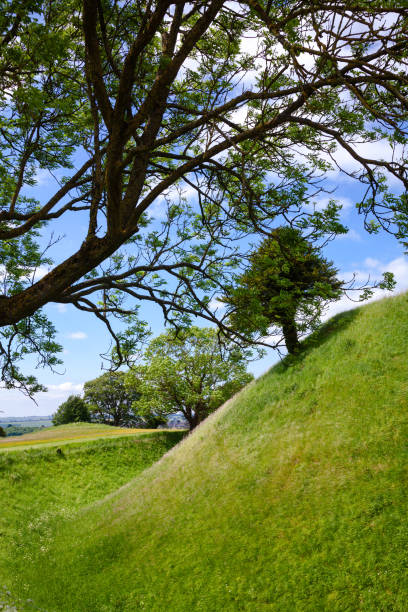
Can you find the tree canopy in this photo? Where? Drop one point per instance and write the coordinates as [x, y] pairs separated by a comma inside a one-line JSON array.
[[286, 285], [172, 130], [73, 410], [189, 372], [109, 401]]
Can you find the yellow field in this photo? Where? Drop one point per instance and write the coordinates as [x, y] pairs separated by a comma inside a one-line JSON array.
[[65, 434]]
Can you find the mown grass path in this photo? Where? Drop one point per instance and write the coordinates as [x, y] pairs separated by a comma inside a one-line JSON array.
[[66, 434]]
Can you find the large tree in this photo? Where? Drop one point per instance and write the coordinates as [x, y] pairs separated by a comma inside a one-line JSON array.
[[135, 107], [109, 400], [189, 372]]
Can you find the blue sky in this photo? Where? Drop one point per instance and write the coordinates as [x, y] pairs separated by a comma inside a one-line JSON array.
[[84, 337]]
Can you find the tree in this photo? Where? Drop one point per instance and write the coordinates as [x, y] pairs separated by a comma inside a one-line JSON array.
[[2, 433], [128, 105], [190, 372], [111, 402], [287, 284], [73, 410]]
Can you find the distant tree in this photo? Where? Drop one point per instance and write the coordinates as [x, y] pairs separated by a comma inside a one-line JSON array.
[[2, 433], [73, 410], [286, 285], [19, 430], [111, 402], [189, 372]]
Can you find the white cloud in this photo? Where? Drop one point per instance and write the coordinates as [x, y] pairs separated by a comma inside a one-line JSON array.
[[351, 235], [215, 305], [239, 115], [34, 274], [369, 262], [374, 268], [43, 177], [157, 209], [399, 267], [341, 305], [380, 150], [78, 335], [67, 386], [14, 403], [62, 308], [40, 272]]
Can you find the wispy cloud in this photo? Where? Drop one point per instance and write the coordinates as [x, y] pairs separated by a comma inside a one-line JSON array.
[[351, 235], [78, 335], [66, 386], [216, 305]]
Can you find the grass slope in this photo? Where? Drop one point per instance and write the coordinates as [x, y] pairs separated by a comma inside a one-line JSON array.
[[37, 485], [65, 434], [291, 497]]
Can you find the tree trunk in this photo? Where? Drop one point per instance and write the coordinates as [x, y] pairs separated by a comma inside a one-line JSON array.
[[195, 419], [291, 337], [193, 422]]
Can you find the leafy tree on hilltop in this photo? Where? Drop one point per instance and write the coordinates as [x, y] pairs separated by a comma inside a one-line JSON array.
[[73, 410], [191, 373], [2, 433], [286, 285]]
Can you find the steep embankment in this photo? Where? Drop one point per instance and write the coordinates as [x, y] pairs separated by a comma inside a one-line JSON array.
[[291, 497]]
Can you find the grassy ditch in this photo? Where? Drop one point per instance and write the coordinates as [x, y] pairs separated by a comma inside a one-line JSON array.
[[41, 485]]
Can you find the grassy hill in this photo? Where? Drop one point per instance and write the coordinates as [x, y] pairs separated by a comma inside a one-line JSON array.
[[293, 496]]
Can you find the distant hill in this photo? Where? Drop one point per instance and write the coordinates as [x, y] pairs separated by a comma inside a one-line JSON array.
[[291, 497], [12, 419]]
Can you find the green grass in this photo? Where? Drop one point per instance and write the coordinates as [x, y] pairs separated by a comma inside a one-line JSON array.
[[39, 485], [292, 497]]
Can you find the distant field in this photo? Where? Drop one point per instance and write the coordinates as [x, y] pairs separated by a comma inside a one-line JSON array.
[[65, 434]]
